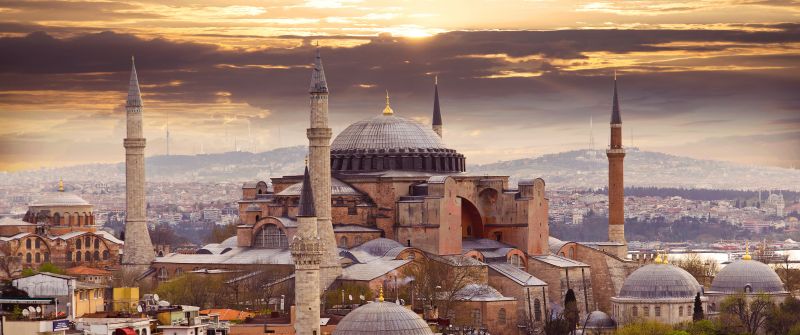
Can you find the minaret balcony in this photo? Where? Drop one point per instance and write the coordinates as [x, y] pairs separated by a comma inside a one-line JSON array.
[[615, 151]]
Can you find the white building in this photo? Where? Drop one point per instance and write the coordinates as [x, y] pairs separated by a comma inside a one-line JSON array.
[[107, 326]]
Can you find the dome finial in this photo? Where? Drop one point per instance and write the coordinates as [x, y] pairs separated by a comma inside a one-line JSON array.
[[61, 184], [387, 110], [747, 256], [658, 259], [380, 295]]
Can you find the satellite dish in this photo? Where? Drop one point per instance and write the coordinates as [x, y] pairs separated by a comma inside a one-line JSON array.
[[163, 303], [139, 308], [155, 296], [32, 309], [38, 309], [350, 296], [25, 313]]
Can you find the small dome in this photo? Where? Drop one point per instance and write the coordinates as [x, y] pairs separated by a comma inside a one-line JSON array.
[[737, 275], [599, 319], [480, 292], [379, 246], [657, 281], [60, 199], [382, 318]]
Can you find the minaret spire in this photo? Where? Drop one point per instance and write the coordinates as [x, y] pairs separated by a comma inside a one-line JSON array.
[[318, 82], [307, 252], [138, 251], [437, 113], [616, 187], [615, 115]]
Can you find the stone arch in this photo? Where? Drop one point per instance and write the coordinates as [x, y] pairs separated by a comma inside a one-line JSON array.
[[471, 221], [270, 233], [474, 254], [487, 204]]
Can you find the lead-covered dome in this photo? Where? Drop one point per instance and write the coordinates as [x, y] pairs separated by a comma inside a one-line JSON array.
[[660, 281], [382, 318], [390, 142], [60, 199], [747, 276]]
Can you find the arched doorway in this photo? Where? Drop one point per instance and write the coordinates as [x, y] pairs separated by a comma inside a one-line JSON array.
[[471, 222]]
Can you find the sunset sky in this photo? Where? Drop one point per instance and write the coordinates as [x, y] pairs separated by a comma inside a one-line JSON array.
[[716, 79]]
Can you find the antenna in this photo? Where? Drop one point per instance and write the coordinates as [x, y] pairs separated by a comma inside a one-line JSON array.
[[591, 133], [167, 133]]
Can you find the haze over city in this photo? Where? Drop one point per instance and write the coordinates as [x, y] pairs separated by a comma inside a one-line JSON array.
[[712, 79]]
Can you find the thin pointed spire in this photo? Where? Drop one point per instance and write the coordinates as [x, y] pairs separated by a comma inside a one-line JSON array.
[[134, 94], [615, 115], [306, 206], [388, 109], [318, 83], [437, 113]]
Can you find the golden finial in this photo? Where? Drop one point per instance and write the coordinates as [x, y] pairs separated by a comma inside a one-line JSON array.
[[306, 160], [658, 259], [60, 184], [665, 259], [747, 256], [380, 295], [387, 110]]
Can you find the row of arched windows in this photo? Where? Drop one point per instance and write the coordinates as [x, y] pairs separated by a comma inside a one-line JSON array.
[[36, 257], [87, 256], [73, 219]]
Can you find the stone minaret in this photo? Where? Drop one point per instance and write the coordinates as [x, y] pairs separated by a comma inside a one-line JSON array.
[[437, 114], [319, 161], [138, 250], [616, 193], [306, 251]]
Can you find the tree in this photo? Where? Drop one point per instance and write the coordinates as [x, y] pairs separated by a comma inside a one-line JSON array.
[[10, 262], [698, 309], [571, 309], [789, 276], [556, 325], [221, 233], [645, 328], [701, 269], [193, 289], [747, 313], [440, 279], [784, 317]]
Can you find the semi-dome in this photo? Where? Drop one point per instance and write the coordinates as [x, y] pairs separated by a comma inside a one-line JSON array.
[[747, 276], [391, 142], [599, 320], [60, 199], [382, 318], [660, 281]]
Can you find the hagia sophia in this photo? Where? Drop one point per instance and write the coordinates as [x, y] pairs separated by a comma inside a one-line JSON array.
[[379, 197]]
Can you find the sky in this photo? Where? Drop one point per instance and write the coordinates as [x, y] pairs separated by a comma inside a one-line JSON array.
[[711, 79]]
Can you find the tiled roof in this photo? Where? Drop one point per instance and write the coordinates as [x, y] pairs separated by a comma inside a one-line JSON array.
[[519, 276], [371, 270]]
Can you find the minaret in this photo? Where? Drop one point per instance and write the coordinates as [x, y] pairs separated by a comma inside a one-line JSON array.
[[138, 250], [319, 154], [616, 193], [437, 113], [306, 251], [167, 134]]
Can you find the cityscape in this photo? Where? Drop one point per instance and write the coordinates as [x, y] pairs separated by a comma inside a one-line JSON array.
[[357, 167]]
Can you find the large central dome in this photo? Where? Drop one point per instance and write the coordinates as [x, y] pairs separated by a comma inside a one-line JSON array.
[[389, 142]]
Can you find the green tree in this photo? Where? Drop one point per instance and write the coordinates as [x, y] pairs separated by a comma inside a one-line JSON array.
[[701, 327], [52, 268], [204, 291], [745, 314], [784, 317], [221, 233], [698, 309], [571, 309], [645, 328], [556, 325]]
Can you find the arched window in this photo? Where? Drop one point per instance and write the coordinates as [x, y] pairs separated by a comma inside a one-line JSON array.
[[88, 256], [78, 244], [96, 255], [97, 243], [358, 240], [343, 242], [69, 256], [272, 237], [28, 257], [258, 217], [680, 311], [56, 219], [38, 243], [748, 288], [46, 256], [635, 311], [28, 244], [88, 242], [515, 260], [38, 257], [70, 219], [537, 310], [476, 317], [78, 256], [105, 254], [501, 316], [646, 311], [658, 311]]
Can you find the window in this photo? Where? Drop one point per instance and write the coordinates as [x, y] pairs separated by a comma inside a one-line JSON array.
[[476, 317], [358, 240], [516, 261], [47, 257], [571, 253], [635, 311], [501, 316], [69, 256], [689, 310], [105, 254], [96, 255], [343, 242], [537, 310], [658, 311], [680, 311], [88, 242], [28, 257], [270, 236], [646, 311], [88, 256], [97, 243], [38, 243], [78, 256], [28, 244], [38, 257], [78, 243]]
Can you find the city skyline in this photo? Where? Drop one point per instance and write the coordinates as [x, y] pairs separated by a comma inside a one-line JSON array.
[[716, 86]]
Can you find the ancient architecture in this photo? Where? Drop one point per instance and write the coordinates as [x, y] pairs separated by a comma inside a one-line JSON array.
[[319, 156], [616, 187], [745, 276], [658, 292], [138, 252], [307, 253], [58, 228], [437, 113]]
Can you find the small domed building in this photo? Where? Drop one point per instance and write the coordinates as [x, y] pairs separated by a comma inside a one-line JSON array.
[[657, 292], [746, 276], [599, 323], [382, 317]]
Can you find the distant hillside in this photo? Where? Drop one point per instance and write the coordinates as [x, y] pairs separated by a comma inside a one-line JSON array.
[[579, 168], [587, 168]]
